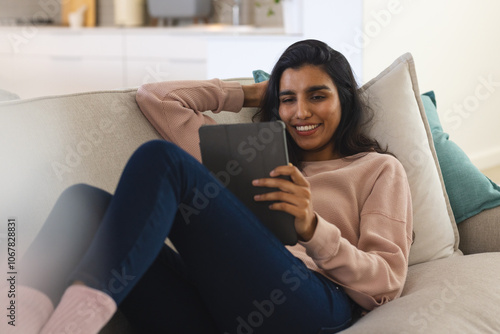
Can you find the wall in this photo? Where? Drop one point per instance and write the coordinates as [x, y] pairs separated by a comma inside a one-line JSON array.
[[336, 22], [456, 51]]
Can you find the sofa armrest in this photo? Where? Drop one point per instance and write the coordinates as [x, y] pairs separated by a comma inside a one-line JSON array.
[[481, 233]]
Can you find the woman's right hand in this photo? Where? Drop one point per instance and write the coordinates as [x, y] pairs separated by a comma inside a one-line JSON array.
[[254, 94]]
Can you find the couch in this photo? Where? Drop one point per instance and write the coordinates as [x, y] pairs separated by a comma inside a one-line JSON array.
[[453, 285]]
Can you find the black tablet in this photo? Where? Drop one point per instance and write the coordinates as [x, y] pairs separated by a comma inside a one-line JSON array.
[[238, 153]]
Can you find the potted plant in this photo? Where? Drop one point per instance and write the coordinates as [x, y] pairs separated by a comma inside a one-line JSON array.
[[270, 10]]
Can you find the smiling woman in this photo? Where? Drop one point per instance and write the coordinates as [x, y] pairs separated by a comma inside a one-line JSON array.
[[351, 209], [341, 189]]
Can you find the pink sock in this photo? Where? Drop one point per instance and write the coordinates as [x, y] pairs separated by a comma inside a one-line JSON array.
[[81, 310], [30, 310]]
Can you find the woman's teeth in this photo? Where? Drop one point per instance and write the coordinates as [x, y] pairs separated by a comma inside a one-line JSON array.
[[307, 127]]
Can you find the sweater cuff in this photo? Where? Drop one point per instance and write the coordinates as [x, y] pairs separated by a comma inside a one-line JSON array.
[[325, 241], [235, 96]]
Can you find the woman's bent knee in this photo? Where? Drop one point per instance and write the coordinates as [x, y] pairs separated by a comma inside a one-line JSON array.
[[82, 191], [157, 147], [83, 198], [159, 154]]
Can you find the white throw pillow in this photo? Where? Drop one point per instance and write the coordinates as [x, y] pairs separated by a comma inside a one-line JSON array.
[[399, 122]]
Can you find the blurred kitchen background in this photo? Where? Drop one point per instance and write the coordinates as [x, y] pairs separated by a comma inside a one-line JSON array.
[[260, 13]]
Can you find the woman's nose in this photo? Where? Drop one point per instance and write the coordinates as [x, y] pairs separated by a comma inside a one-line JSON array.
[[302, 110]]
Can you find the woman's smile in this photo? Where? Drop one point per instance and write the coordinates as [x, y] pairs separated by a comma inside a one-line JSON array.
[[306, 130]]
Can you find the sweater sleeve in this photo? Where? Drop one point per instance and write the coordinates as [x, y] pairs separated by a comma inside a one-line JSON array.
[[175, 108], [373, 271]]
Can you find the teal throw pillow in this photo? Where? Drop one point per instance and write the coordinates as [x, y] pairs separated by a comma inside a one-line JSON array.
[[260, 75], [469, 190]]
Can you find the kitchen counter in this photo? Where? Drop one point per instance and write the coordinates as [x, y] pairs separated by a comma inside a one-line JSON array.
[[197, 29]]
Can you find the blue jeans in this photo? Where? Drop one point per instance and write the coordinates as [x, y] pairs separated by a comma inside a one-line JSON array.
[[229, 274]]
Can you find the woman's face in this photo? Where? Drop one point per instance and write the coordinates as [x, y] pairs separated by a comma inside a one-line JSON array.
[[310, 108]]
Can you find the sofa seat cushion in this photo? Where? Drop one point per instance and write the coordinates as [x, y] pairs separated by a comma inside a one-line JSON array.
[[458, 294]]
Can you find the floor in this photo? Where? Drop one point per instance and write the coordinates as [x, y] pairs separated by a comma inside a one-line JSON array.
[[493, 174]]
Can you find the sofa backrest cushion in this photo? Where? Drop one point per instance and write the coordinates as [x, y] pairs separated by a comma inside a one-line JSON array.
[[8, 96], [50, 143], [400, 123]]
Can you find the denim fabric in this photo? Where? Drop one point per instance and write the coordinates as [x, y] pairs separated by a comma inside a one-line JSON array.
[[63, 240], [230, 274]]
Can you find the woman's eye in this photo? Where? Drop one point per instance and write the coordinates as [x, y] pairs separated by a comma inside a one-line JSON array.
[[287, 100], [317, 97]]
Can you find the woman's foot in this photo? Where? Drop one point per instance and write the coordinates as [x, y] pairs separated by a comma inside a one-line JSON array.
[[82, 309], [27, 310]]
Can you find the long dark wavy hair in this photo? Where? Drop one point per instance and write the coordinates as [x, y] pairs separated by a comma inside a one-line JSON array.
[[348, 138]]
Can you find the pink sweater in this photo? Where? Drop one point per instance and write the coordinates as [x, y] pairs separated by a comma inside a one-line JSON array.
[[362, 202]]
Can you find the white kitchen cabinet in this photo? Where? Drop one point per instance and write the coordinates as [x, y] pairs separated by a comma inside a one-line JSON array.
[[25, 76], [152, 56], [56, 61], [143, 71], [53, 75], [164, 43]]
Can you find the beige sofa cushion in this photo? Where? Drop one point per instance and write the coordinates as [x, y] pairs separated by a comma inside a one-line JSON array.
[[50, 143], [7, 96], [458, 294], [400, 123], [481, 233]]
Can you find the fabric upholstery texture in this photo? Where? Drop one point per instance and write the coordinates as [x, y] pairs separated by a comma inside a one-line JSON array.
[[481, 233], [7, 96], [395, 100], [438, 299]]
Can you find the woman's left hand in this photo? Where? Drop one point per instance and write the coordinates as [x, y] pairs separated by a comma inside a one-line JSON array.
[[293, 197]]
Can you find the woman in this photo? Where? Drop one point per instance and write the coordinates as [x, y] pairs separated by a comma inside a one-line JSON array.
[[351, 205]]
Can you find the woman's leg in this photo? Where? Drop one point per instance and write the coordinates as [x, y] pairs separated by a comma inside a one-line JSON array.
[[58, 247], [61, 244], [63, 239], [165, 300], [244, 275], [249, 281]]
